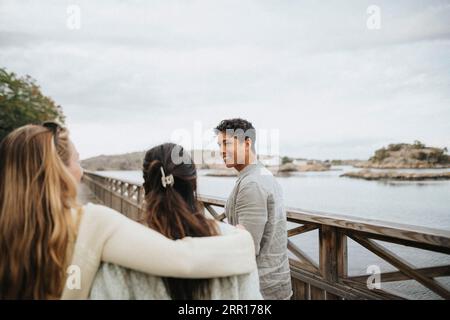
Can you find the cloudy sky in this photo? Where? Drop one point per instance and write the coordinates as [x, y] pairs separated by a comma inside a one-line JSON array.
[[136, 73]]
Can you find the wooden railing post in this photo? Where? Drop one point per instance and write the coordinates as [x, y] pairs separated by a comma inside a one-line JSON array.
[[342, 255], [122, 192], [139, 201], [111, 190], [328, 253], [332, 255]]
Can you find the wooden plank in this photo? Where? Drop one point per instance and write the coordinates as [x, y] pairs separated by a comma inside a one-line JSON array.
[[115, 202], [337, 260], [404, 242], [328, 253], [342, 254], [219, 202], [308, 262], [330, 296], [403, 266], [317, 293], [435, 237], [300, 290], [316, 280], [377, 293], [301, 229], [303, 266], [347, 290], [214, 213], [211, 210]]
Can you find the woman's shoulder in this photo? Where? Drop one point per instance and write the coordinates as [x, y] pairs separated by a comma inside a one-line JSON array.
[[98, 208], [101, 213], [97, 222], [225, 228]]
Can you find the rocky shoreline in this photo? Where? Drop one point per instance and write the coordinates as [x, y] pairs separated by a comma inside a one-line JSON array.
[[394, 175], [370, 165], [278, 171]]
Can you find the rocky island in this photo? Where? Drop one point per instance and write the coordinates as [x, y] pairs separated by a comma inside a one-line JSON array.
[[404, 156], [395, 175], [407, 156]]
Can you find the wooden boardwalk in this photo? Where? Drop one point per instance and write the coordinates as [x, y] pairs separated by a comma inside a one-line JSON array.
[[327, 278]]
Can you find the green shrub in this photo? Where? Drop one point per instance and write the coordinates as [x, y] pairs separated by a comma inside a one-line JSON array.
[[21, 102], [285, 160]]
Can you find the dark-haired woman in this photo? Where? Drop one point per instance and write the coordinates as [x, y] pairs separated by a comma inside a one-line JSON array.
[[172, 209]]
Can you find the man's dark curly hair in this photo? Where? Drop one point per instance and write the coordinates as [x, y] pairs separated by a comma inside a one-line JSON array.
[[241, 128]]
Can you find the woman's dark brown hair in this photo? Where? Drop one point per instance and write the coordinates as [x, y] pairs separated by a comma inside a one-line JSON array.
[[174, 210]]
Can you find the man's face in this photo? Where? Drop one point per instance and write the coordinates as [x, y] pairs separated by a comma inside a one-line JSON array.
[[232, 150]]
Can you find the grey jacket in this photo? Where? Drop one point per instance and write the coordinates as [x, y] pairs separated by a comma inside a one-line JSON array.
[[256, 202]]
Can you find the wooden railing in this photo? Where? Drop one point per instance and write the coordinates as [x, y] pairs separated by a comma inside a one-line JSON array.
[[328, 279]]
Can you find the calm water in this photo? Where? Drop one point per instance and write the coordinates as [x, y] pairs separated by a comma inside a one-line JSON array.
[[424, 203]]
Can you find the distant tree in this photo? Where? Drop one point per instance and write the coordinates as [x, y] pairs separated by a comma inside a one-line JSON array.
[[380, 155], [395, 146], [285, 160], [336, 162], [22, 102], [418, 145]]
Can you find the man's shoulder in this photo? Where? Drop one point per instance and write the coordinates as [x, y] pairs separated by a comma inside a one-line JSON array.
[[260, 177]]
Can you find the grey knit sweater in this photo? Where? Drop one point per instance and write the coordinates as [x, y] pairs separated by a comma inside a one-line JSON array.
[[256, 202]]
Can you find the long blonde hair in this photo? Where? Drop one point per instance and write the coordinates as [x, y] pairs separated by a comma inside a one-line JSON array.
[[37, 230]]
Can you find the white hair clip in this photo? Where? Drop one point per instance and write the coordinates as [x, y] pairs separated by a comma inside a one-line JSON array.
[[169, 180]]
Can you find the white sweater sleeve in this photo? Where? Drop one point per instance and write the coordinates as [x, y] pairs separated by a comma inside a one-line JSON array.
[[132, 245]]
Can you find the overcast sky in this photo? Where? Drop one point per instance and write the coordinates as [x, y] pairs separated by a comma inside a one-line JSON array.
[[137, 72]]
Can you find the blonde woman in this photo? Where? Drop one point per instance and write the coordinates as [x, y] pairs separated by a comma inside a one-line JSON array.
[[43, 231]]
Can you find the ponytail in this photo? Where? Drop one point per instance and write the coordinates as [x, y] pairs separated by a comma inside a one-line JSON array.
[[172, 208]]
